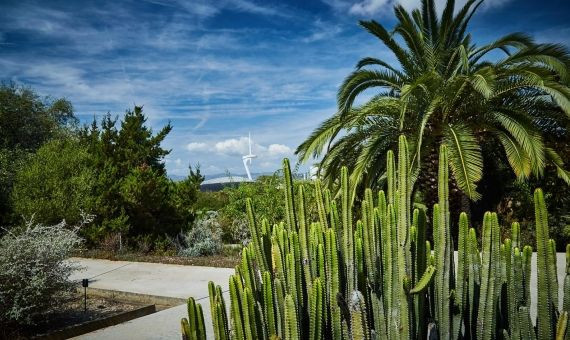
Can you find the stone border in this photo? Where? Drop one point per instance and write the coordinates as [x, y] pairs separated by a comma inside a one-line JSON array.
[[161, 302], [94, 325]]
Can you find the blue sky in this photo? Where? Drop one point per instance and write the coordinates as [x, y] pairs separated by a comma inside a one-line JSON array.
[[219, 69]]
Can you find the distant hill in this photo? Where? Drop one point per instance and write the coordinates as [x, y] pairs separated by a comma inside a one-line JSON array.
[[209, 177]]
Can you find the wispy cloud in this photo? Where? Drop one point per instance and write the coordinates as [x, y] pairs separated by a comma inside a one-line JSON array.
[[322, 30], [384, 7], [215, 69], [197, 146]]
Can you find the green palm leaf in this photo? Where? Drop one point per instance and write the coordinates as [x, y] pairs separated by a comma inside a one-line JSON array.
[[516, 155], [559, 164], [465, 158], [361, 80], [523, 132], [444, 88]]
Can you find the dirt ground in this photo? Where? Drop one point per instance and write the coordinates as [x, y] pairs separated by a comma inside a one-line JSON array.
[[222, 260], [71, 313]]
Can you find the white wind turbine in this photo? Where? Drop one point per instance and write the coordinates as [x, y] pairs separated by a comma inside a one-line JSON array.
[[247, 158]]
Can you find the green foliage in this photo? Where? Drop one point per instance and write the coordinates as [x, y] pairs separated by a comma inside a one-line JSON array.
[[377, 276], [445, 89], [184, 194], [11, 161], [27, 121], [210, 201], [133, 194], [266, 194], [145, 195], [55, 184]]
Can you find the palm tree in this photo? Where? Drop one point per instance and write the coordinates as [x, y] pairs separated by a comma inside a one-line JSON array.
[[446, 89]]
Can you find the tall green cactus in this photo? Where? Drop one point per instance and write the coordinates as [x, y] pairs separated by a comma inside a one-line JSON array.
[[348, 236], [193, 328], [289, 199], [443, 250], [545, 287], [316, 310], [490, 277], [376, 277]]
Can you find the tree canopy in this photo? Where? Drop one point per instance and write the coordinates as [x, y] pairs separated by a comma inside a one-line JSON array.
[[447, 89]]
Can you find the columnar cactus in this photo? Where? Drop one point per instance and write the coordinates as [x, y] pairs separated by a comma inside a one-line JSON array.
[[376, 276]]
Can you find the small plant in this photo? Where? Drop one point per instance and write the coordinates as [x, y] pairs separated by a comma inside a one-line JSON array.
[[334, 278], [111, 242], [204, 238], [240, 231], [35, 270]]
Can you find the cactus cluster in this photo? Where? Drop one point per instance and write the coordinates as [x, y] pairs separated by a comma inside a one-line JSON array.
[[378, 277]]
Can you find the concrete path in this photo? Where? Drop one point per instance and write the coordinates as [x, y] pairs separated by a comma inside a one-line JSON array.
[[154, 279], [185, 281]]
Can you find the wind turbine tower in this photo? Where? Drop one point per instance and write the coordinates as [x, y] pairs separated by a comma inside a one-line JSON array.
[[247, 158]]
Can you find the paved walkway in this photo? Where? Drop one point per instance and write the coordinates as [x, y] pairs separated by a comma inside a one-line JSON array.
[[182, 282], [154, 279]]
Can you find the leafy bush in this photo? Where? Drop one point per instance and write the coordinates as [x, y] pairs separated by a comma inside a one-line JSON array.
[[27, 121], [204, 238], [184, 195], [34, 271], [240, 231], [210, 201], [266, 193], [145, 194], [55, 184]]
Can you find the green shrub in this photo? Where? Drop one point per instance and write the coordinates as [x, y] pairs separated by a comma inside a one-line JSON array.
[[333, 278], [240, 231], [266, 194], [55, 184], [204, 237], [210, 201], [35, 270]]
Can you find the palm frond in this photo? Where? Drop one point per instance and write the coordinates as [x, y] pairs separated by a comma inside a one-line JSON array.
[[430, 19], [522, 131], [555, 158], [465, 158], [517, 40], [369, 61], [314, 144], [483, 82], [516, 155], [361, 80], [381, 33]]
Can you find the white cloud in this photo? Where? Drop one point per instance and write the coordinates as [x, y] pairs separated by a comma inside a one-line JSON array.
[[322, 30], [234, 146], [196, 146], [278, 150], [367, 7], [240, 146], [375, 7], [251, 7]]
